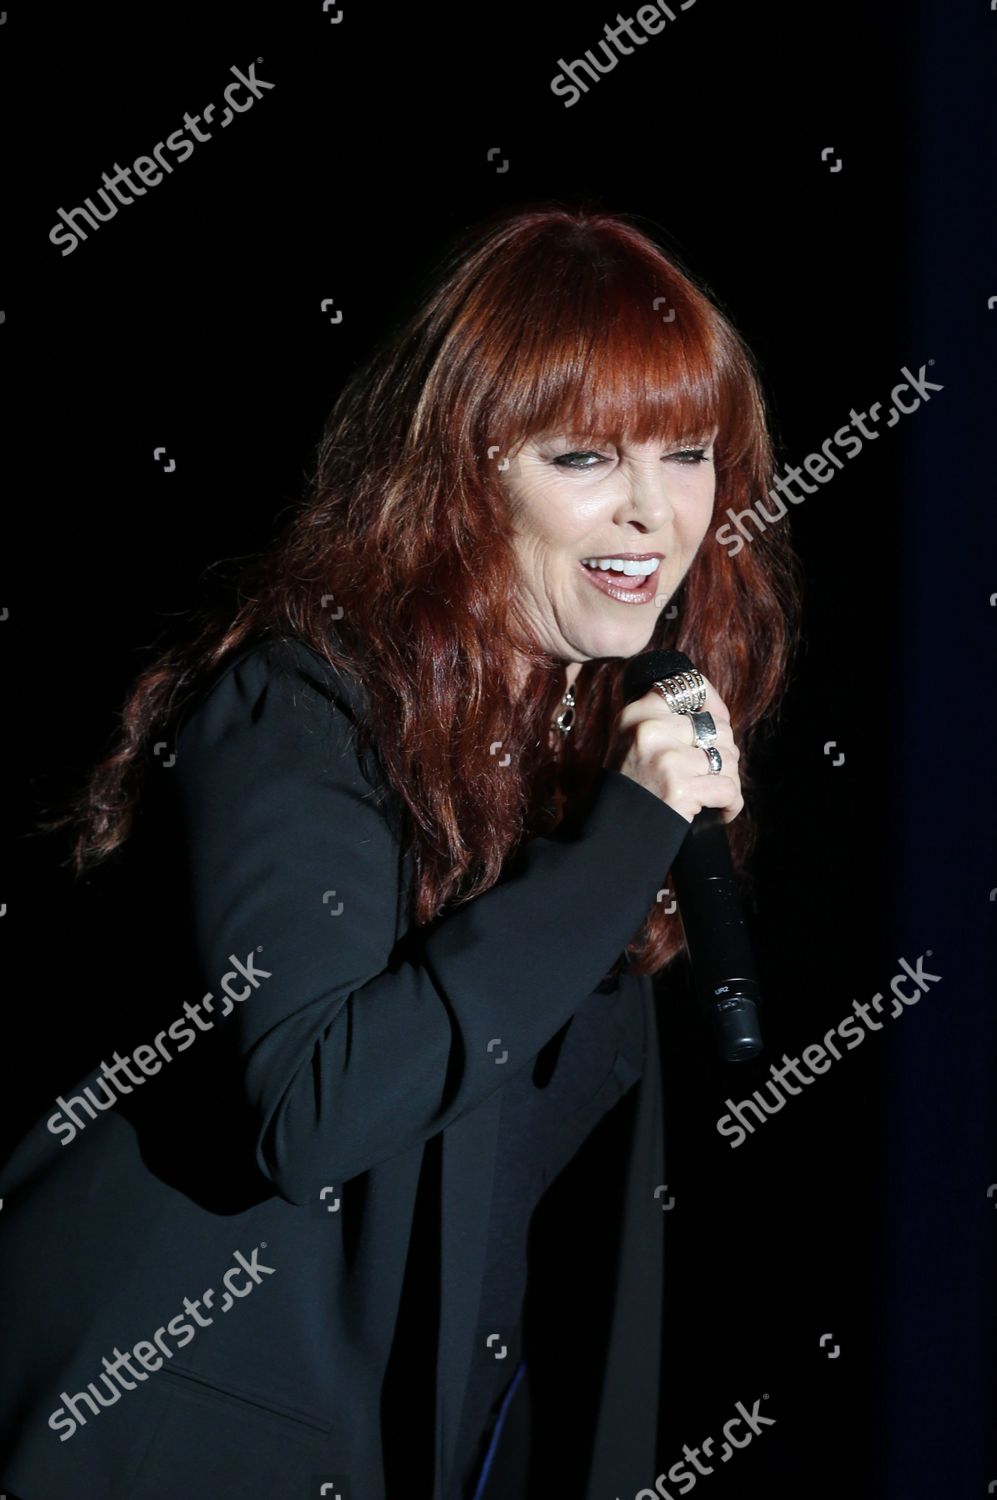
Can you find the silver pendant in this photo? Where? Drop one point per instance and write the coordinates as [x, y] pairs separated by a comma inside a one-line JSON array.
[[566, 717]]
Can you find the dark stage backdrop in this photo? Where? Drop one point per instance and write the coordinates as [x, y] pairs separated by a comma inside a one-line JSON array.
[[829, 173]]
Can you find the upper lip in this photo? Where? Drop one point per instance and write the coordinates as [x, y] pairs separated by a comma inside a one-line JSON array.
[[627, 556]]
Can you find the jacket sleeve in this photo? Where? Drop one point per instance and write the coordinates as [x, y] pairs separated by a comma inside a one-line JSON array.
[[353, 1048]]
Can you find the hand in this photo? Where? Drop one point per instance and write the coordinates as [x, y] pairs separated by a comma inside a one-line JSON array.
[[654, 747]]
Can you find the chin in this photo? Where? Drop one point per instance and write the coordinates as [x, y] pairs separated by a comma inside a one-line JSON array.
[[619, 642]]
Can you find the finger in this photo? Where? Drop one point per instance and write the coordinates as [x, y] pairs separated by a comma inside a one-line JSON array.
[[695, 793], [730, 813], [719, 791], [722, 735], [692, 763], [712, 702], [676, 731], [652, 704]]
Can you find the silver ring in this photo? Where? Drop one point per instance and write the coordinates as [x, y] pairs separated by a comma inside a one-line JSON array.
[[685, 692], [704, 729], [713, 755]]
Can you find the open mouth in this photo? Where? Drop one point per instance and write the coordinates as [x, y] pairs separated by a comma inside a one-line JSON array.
[[627, 588]]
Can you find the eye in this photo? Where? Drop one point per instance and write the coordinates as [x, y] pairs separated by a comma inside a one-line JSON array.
[[564, 460], [575, 460]]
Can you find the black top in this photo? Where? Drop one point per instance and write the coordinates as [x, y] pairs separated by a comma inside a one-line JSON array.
[[547, 1111], [339, 1104]]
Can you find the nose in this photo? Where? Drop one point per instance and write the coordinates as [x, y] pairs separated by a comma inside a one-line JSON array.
[[645, 503]]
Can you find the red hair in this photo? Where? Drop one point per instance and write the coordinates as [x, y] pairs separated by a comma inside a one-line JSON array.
[[549, 317]]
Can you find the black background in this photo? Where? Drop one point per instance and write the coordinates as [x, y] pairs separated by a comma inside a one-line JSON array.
[[192, 321]]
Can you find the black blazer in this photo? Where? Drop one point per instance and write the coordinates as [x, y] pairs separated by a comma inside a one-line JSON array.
[[223, 1244]]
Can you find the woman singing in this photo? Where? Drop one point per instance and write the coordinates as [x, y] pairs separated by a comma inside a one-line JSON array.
[[359, 1199]]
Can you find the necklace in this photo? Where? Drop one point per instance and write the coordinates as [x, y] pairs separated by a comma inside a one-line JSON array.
[[566, 716], [563, 720]]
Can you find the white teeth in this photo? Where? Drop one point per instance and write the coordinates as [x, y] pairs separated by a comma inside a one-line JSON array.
[[633, 569]]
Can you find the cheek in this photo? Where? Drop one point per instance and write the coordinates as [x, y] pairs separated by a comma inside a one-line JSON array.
[[701, 513], [546, 514], [556, 520], [564, 525], [577, 518]]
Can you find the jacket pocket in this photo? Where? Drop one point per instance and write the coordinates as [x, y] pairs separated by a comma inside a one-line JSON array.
[[211, 1440], [192, 1383]]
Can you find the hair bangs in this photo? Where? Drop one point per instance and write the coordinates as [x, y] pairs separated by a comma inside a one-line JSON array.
[[629, 373]]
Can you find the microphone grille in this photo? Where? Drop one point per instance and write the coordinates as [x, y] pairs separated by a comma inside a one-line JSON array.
[[650, 667]]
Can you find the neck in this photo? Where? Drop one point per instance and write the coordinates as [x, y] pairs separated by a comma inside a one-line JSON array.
[[571, 671]]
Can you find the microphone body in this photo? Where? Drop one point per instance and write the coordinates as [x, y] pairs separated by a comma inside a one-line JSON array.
[[709, 902]]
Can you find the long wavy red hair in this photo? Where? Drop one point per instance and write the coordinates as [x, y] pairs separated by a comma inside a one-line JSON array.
[[543, 317]]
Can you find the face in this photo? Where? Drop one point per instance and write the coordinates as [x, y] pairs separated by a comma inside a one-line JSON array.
[[642, 506]]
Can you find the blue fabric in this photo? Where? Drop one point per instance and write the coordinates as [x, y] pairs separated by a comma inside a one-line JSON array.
[[486, 1466]]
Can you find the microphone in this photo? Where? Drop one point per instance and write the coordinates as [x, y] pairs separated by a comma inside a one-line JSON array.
[[709, 902]]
